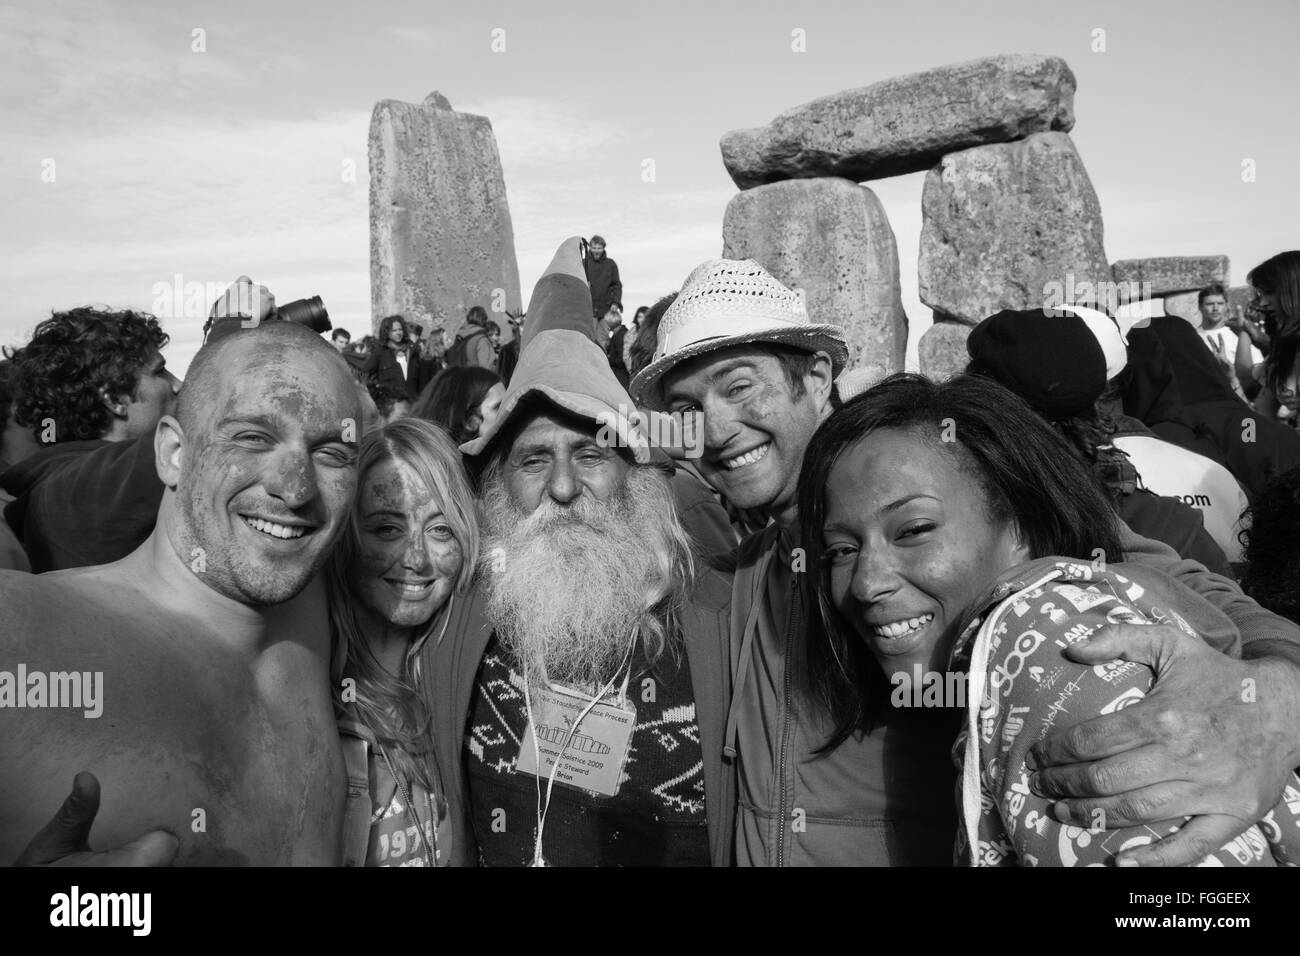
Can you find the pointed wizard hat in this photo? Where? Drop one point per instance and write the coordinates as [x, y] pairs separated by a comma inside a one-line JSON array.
[[560, 364]]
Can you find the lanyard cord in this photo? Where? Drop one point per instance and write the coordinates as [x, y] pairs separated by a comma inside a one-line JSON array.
[[543, 810], [430, 852]]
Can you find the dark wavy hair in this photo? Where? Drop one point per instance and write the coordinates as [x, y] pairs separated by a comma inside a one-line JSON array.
[[1271, 546], [1280, 276], [387, 323], [1091, 435], [1028, 476], [452, 395], [642, 352], [73, 359]]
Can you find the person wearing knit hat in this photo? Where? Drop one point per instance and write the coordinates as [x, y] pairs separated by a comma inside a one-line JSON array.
[[588, 595], [1061, 364]]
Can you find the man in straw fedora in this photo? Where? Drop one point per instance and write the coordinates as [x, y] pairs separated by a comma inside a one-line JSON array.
[[591, 633], [739, 347]]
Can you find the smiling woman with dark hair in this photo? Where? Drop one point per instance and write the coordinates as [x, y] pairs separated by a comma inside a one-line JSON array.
[[956, 546]]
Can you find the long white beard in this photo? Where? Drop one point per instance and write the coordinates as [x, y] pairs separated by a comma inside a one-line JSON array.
[[570, 587]]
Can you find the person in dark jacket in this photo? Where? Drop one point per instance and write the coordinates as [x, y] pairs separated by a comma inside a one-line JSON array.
[[88, 380], [602, 278], [508, 357], [613, 323], [1212, 420], [395, 364]]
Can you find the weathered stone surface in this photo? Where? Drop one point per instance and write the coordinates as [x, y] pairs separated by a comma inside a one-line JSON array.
[[1239, 297], [831, 239], [1009, 227], [1172, 274], [1184, 305], [441, 239], [941, 352], [907, 123]]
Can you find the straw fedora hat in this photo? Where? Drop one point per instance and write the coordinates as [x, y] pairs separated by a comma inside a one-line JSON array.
[[728, 302]]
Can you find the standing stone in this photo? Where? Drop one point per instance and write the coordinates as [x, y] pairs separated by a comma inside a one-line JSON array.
[[441, 240], [1172, 274], [1012, 226], [831, 239], [941, 352], [1239, 297], [907, 123], [1184, 305]]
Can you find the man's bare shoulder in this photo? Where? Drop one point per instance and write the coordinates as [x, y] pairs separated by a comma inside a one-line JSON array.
[[44, 608]]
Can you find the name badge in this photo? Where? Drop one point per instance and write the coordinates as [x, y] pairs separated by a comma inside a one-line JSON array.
[[594, 757]]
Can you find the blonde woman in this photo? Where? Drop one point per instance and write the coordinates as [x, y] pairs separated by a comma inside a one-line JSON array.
[[407, 553]]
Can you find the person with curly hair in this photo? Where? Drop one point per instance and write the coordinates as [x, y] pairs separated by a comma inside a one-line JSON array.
[[91, 386], [93, 374], [1271, 546], [395, 363]]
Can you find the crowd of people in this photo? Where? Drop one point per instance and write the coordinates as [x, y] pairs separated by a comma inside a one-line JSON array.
[[399, 602]]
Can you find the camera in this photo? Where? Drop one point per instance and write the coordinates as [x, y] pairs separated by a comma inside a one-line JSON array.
[[310, 312]]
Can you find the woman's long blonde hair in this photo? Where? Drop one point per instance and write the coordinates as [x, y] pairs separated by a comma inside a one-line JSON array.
[[391, 705]]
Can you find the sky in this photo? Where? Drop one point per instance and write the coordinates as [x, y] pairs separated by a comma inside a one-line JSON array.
[[137, 168]]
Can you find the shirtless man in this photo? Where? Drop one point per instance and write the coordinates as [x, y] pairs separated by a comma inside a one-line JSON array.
[[211, 637]]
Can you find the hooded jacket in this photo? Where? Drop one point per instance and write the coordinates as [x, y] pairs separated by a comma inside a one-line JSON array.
[[1021, 686]]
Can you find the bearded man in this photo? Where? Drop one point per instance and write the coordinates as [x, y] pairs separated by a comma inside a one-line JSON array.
[[579, 695]]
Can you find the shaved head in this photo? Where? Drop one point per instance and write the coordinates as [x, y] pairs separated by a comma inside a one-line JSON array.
[[263, 465], [216, 361]]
